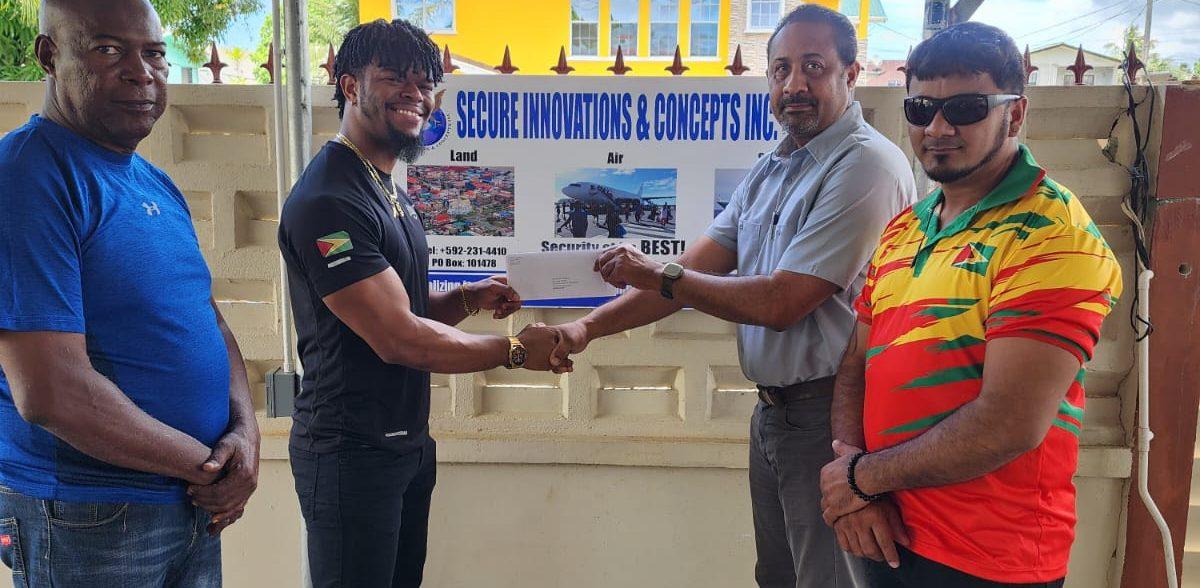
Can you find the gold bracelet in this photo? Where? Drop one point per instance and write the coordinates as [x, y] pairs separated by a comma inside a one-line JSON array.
[[467, 307]]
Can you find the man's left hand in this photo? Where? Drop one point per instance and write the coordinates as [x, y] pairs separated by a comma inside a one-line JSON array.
[[236, 456], [873, 533], [494, 294], [626, 266], [837, 499]]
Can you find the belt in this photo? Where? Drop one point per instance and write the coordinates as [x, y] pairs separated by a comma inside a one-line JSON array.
[[779, 395]]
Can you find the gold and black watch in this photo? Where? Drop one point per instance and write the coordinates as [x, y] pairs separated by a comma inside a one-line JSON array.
[[671, 272], [516, 354]]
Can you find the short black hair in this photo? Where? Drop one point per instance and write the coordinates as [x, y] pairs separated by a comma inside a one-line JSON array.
[[844, 33], [966, 49], [397, 45]]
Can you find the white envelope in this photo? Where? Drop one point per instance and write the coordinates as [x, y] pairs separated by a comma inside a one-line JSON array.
[[554, 275]]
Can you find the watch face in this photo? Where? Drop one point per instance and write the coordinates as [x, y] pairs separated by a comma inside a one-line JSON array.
[[673, 271], [518, 355]]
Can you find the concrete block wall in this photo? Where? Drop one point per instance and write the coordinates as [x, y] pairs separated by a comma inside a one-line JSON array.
[[631, 470]]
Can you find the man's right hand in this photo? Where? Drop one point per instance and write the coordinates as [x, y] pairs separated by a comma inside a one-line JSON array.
[[873, 532], [539, 340], [572, 338]]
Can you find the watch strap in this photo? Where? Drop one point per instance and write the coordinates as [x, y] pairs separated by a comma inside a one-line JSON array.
[[667, 288]]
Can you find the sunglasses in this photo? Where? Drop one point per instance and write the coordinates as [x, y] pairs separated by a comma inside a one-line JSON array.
[[963, 109]]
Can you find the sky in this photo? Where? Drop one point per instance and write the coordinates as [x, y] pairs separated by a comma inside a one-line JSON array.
[[244, 31], [656, 181], [1092, 23]]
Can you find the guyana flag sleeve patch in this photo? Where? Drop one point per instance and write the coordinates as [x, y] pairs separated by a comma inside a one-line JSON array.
[[334, 243]]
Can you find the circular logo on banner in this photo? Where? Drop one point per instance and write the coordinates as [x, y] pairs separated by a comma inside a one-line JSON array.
[[435, 129]]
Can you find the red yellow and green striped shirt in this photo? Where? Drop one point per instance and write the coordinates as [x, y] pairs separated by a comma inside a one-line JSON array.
[[1026, 261]]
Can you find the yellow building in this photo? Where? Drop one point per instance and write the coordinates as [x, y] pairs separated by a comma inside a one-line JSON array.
[[647, 31]]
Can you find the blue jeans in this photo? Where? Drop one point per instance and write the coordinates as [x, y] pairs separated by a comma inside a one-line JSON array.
[[92, 545]]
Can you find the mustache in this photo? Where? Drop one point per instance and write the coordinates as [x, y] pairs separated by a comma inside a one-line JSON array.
[[951, 144], [799, 99]]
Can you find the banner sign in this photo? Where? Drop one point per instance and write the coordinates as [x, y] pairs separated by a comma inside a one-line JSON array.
[[516, 164]]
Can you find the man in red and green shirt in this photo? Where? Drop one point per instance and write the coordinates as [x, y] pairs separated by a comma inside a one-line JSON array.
[[964, 380]]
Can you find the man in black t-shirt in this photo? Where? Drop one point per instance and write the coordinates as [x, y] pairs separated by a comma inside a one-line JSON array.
[[370, 332]]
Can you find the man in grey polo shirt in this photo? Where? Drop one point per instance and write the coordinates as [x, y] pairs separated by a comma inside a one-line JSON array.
[[799, 231]]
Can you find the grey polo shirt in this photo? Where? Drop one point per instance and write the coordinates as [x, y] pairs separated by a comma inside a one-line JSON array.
[[817, 211]]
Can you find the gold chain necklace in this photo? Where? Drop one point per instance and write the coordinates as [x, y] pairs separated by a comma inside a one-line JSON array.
[[397, 210]]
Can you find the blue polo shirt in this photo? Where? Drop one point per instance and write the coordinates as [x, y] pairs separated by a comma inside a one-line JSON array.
[[101, 243]]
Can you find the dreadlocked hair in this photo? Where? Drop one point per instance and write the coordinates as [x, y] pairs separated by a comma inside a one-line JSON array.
[[397, 45]]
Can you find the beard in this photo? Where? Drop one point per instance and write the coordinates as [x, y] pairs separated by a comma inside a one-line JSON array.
[[406, 147], [801, 125], [949, 176]]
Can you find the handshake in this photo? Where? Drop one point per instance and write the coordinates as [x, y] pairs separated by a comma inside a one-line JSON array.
[[548, 348]]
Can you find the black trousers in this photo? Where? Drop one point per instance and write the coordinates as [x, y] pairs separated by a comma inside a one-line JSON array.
[[367, 513], [918, 572]]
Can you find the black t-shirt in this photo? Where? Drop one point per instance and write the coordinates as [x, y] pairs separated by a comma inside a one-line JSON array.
[[337, 228]]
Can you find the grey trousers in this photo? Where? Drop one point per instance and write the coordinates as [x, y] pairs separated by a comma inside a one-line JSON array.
[[789, 444]]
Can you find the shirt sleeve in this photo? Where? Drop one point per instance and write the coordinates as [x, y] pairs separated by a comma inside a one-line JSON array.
[[335, 242], [1057, 287], [843, 228], [724, 228], [40, 281]]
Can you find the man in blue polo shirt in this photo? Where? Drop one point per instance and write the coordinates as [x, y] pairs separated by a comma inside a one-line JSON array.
[[120, 383]]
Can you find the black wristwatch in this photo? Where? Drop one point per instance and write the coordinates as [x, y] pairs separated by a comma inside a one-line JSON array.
[[516, 353], [671, 272]]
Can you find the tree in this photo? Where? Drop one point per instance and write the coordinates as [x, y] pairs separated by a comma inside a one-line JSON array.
[[242, 61], [422, 14], [193, 23], [1132, 34], [328, 22], [196, 23], [1185, 72], [18, 29]]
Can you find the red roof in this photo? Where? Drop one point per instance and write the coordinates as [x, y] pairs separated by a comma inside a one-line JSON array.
[[883, 73]]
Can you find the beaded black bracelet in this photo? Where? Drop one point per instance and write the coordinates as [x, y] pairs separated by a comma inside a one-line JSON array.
[[854, 485]]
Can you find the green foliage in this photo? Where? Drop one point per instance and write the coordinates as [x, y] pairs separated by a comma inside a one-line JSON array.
[[194, 24], [1187, 72], [1133, 34], [18, 29], [328, 22]]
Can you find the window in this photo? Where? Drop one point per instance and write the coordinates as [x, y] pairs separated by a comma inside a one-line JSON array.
[[435, 16], [1033, 78], [585, 27], [664, 27], [1088, 79], [764, 15], [705, 16], [623, 19]]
